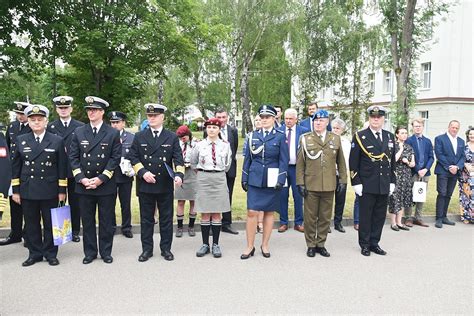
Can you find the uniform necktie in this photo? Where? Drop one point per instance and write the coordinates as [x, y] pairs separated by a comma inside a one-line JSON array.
[[94, 131], [214, 161], [288, 138], [156, 134], [37, 139], [21, 126], [65, 124], [184, 149], [379, 140], [266, 134]]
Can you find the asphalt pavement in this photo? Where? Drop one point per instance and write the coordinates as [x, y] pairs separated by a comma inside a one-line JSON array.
[[426, 271]]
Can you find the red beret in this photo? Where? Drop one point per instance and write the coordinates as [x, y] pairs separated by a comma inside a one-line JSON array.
[[212, 121], [183, 130]]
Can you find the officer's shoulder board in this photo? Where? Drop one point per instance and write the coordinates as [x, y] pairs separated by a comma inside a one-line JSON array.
[[279, 131], [307, 134]]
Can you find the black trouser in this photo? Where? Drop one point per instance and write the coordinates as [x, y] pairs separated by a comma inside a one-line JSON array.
[[227, 216], [373, 210], [73, 200], [124, 191], [106, 206], [148, 204], [445, 187], [339, 203], [40, 244], [16, 220]]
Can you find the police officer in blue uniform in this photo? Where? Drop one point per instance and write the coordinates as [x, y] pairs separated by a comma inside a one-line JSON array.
[[5, 173], [124, 173], [39, 183], [19, 127], [372, 166], [154, 152], [94, 155], [263, 175], [64, 127]]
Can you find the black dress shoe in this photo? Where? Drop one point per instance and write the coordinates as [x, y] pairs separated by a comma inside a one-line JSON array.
[[167, 255], [322, 251], [76, 238], [108, 259], [229, 229], [378, 250], [145, 256], [247, 255], [339, 228], [127, 234], [9, 240], [264, 254], [365, 251], [88, 259], [53, 261], [31, 261], [311, 252]]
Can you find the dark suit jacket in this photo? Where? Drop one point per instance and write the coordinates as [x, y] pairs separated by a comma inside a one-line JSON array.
[[126, 139], [428, 157], [56, 127], [233, 139], [445, 155], [300, 130], [96, 156], [375, 176], [148, 154], [308, 124], [13, 131], [39, 170]]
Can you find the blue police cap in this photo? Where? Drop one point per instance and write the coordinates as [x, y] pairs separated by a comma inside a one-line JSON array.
[[115, 116], [320, 114], [267, 109]]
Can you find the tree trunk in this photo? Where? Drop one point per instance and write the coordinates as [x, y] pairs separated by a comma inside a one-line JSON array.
[[244, 99], [198, 89], [233, 77], [161, 91]]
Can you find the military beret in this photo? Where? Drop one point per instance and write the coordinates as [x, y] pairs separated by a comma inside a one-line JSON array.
[[115, 116], [267, 109], [183, 130], [320, 114], [20, 107], [63, 101], [36, 109], [213, 121], [155, 108], [96, 103], [376, 110]]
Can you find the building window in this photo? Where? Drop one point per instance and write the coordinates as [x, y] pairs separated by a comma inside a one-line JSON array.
[[371, 78], [424, 116], [426, 75], [387, 122], [387, 81]]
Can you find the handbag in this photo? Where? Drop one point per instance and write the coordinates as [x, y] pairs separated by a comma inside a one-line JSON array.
[[61, 223], [419, 191]]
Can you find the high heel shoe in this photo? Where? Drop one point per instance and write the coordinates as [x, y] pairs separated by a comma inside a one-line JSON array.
[[265, 254], [246, 256]]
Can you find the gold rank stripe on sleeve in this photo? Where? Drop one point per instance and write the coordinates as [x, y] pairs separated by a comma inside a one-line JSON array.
[[371, 156], [75, 172], [108, 173], [353, 174], [62, 182], [3, 201], [138, 167], [15, 182], [180, 169]]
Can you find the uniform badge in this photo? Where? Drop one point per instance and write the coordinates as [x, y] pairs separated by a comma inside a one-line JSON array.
[[27, 163], [363, 137], [145, 156], [23, 142], [353, 145], [103, 156], [52, 126], [84, 155], [127, 150]]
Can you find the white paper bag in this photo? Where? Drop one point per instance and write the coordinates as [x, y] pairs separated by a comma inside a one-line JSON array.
[[419, 191]]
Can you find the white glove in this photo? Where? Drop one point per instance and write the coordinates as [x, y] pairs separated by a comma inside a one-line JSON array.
[[126, 167], [358, 189], [392, 188]]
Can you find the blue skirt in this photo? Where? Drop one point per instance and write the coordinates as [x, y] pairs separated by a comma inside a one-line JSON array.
[[263, 199]]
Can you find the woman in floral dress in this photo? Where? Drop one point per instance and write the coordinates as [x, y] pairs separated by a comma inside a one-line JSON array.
[[466, 181]]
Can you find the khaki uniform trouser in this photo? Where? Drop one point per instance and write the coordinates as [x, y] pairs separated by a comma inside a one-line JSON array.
[[419, 205], [317, 217]]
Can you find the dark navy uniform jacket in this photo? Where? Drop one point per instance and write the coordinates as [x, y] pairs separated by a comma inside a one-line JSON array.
[[97, 156], [366, 168], [56, 127], [150, 154], [39, 169], [273, 154], [5, 171], [13, 131], [126, 139]]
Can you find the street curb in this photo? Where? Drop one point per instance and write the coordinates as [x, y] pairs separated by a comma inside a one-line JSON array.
[[240, 225]]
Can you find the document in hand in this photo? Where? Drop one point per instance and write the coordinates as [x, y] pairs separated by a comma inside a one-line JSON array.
[[272, 177]]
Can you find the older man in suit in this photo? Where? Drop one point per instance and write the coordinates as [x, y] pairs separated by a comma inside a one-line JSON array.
[[293, 133], [449, 151]]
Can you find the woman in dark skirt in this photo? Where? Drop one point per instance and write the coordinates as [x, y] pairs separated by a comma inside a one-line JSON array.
[[211, 157], [263, 176]]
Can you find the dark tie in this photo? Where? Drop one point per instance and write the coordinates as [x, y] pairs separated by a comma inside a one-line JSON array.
[[94, 131], [184, 150], [156, 134], [214, 161], [65, 124], [38, 140], [421, 158], [21, 126], [379, 140], [266, 134], [288, 139]]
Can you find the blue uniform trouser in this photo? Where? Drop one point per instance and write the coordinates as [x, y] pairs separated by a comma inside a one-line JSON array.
[[297, 199]]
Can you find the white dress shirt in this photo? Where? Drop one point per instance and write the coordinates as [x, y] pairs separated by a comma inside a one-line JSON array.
[[454, 142], [292, 144]]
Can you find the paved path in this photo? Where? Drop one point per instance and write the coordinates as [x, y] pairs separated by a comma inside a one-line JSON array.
[[426, 271]]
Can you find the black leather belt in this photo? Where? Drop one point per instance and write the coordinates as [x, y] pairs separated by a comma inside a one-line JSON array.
[[210, 170]]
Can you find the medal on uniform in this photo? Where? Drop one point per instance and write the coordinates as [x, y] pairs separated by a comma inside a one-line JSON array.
[[27, 163], [103, 156], [84, 155], [145, 156], [373, 160]]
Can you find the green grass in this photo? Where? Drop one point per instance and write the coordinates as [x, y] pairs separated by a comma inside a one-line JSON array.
[[240, 202]]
